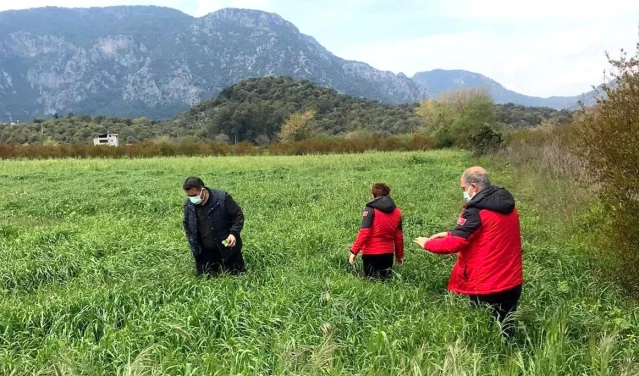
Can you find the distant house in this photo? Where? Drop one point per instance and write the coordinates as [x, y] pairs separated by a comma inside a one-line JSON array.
[[108, 139]]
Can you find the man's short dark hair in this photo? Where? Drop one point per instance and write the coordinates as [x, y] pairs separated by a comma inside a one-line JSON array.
[[193, 182], [380, 189]]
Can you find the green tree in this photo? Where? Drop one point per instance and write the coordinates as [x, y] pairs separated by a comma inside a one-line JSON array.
[[435, 116], [222, 138], [141, 122], [298, 127], [262, 140], [485, 140], [477, 114], [456, 116], [607, 137]]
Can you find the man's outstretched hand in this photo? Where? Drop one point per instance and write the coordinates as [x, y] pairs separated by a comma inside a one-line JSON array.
[[421, 241]]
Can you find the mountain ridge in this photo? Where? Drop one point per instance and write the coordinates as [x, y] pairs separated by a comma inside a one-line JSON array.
[[254, 110], [131, 64], [438, 81], [156, 62]]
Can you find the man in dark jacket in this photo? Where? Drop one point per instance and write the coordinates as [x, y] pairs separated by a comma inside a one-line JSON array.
[[487, 240], [212, 224]]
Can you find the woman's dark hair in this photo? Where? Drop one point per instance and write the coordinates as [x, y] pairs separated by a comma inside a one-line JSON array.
[[380, 189], [193, 182]]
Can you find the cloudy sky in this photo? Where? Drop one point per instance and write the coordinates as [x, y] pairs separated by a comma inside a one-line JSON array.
[[542, 47]]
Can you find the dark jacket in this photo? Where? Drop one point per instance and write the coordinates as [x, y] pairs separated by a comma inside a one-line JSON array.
[[225, 218], [487, 240], [381, 231]]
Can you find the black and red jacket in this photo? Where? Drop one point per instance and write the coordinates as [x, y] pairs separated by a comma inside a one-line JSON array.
[[487, 240], [381, 230]]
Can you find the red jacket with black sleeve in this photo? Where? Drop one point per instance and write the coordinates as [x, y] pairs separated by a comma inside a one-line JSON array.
[[381, 230], [487, 240]]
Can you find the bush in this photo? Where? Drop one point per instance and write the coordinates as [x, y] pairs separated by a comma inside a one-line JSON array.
[[454, 117], [298, 127], [607, 138], [444, 139], [164, 147], [419, 142], [485, 140]]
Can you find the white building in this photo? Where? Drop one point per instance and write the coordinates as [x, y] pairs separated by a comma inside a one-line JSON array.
[[108, 139]]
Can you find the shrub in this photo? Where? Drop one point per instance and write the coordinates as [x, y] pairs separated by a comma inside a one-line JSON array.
[[164, 147], [419, 142], [455, 116], [485, 140], [298, 127], [607, 138]]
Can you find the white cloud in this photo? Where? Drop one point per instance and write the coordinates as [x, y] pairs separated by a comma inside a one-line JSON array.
[[196, 8], [251, 4], [518, 11], [184, 6], [205, 7], [542, 63], [25, 4], [541, 48]]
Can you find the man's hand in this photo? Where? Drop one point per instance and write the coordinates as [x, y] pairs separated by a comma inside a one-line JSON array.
[[351, 260], [399, 262], [231, 241], [421, 241], [439, 235]]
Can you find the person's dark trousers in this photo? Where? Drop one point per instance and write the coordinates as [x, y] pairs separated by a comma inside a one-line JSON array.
[[210, 263], [378, 266], [502, 304], [235, 264]]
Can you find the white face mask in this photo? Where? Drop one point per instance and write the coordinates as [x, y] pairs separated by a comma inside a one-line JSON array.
[[197, 200], [468, 197]]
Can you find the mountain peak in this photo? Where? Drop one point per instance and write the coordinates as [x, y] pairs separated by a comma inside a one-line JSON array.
[[154, 62], [441, 80], [249, 18], [231, 12]]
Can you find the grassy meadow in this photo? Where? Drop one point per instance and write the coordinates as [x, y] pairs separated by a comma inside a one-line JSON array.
[[96, 276]]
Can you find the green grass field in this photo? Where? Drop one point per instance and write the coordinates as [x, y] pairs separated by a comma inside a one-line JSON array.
[[96, 276]]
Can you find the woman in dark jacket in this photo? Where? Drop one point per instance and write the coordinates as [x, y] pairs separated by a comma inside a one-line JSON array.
[[381, 235]]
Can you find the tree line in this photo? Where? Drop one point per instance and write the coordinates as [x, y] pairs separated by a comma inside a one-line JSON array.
[[256, 110]]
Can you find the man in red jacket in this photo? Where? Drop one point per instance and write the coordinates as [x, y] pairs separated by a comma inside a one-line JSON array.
[[381, 234], [487, 240]]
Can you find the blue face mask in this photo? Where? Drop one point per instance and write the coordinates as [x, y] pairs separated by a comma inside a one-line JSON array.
[[197, 200]]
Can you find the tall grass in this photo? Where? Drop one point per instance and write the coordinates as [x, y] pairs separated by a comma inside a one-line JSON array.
[[545, 171], [96, 277]]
